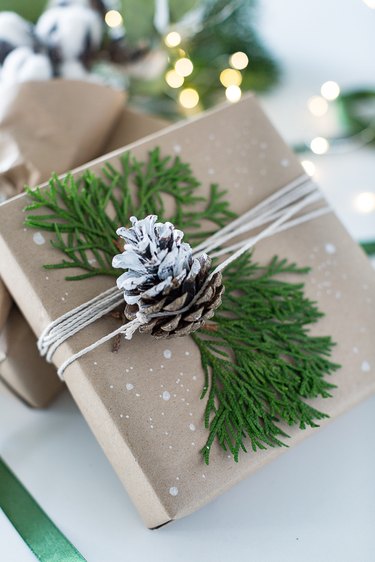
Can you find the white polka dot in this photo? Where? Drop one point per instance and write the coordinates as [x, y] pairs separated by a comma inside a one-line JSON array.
[[129, 386], [166, 395], [111, 386], [167, 353], [330, 248], [366, 367], [355, 349], [284, 162], [192, 427], [39, 238], [187, 352], [177, 148]]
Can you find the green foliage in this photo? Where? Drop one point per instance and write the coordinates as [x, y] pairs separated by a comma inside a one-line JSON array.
[[261, 364], [81, 209]]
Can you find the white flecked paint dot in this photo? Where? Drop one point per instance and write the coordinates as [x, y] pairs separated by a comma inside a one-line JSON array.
[[355, 349], [129, 386], [39, 238], [194, 377], [330, 248], [187, 352], [111, 386], [177, 148], [366, 367], [284, 162], [192, 427], [166, 395], [167, 353]]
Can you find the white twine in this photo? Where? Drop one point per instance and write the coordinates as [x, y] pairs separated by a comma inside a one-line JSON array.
[[275, 211]]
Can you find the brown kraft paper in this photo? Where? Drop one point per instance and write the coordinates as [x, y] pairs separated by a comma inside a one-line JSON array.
[[143, 403], [31, 145]]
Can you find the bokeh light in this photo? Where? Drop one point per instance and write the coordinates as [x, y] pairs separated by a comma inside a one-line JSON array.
[[319, 145], [239, 60], [113, 18], [189, 98], [173, 79], [233, 93], [365, 202], [230, 77], [317, 105], [172, 39], [330, 90], [184, 67]]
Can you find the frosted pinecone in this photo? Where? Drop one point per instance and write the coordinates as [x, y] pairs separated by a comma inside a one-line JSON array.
[[162, 276]]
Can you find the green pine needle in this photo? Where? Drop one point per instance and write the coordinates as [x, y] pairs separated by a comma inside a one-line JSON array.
[[261, 365]]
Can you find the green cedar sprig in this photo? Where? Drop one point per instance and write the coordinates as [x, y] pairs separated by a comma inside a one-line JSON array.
[[85, 212], [262, 367], [260, 362]]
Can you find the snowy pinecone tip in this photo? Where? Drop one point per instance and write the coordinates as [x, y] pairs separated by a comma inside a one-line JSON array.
[[163, 280]]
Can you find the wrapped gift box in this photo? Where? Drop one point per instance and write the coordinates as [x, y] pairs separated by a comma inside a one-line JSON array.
[[143, 403], [25, 136]]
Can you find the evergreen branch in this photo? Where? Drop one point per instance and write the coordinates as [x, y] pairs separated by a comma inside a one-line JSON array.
[[260, 362], [85, 213]]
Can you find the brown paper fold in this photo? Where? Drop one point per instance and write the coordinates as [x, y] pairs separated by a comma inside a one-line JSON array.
[[143, 403], [21, 367]]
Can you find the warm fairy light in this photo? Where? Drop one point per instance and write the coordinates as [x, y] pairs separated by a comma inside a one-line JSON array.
[[172, 39], [317, 105], [173, 79], [184, 67], [330, 90], [233, 93], [309, 167], [189, 98], [230, 77], [239, 60], [365, 202], [370, 4], [319, 145], [113, 18]]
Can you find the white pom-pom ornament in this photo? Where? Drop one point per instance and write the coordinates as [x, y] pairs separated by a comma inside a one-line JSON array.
[[23, 65], [70, 32], [14, 32]]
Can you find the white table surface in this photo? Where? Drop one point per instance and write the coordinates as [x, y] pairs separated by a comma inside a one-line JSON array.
[[316, 503]]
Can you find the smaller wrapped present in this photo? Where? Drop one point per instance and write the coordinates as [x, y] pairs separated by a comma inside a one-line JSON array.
[[38, 121]]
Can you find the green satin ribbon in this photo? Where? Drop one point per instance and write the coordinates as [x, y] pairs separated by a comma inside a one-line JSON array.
[[32, 523]]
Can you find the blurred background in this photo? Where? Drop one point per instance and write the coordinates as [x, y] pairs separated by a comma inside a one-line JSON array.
[[313, 68]]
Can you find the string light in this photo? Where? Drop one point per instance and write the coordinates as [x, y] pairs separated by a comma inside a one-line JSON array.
[[309, 167], [330, 90], [173, 79], [319, 145], [317, 105], [230, 77], [370, 4], [113, 18], [233, 93], [184, 67], [172, 39], [239, 60], [189, 98], [365, 202]]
